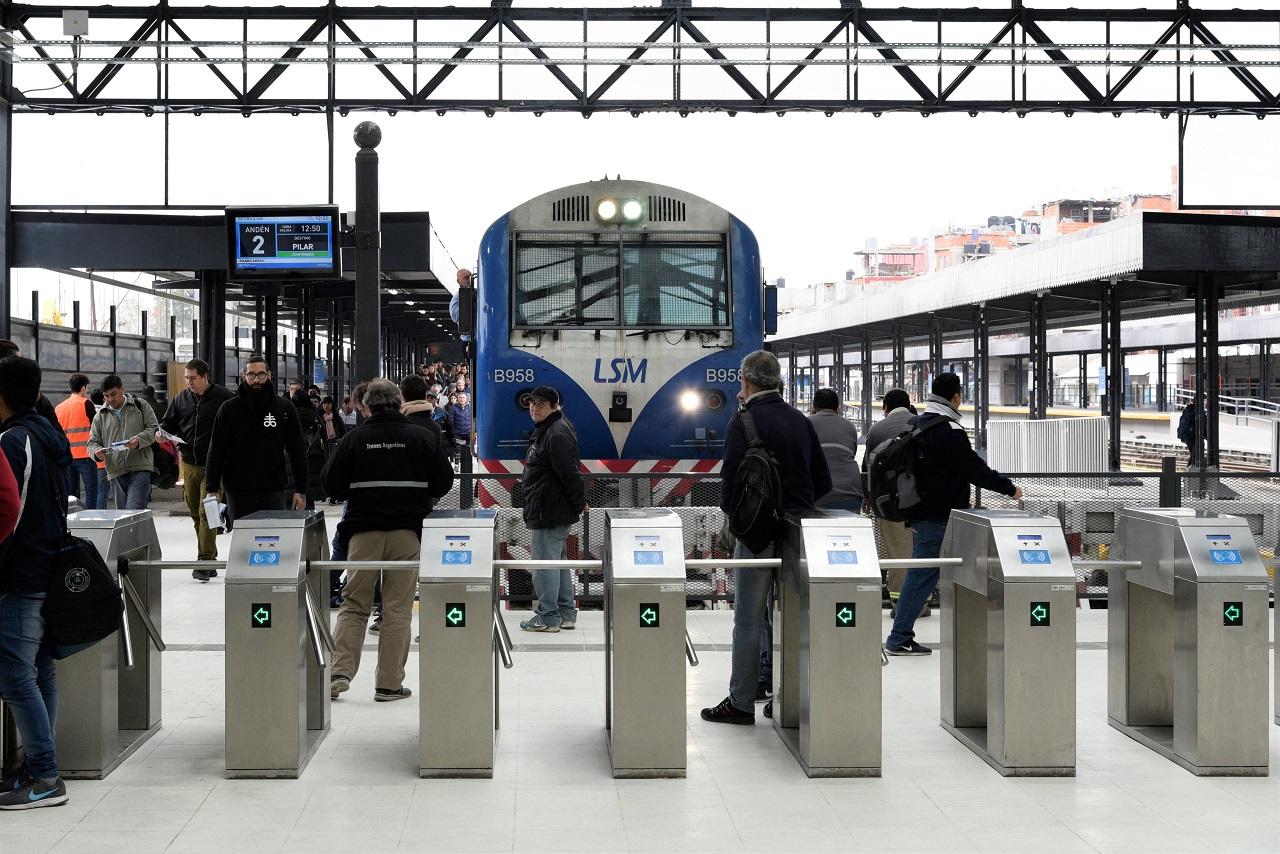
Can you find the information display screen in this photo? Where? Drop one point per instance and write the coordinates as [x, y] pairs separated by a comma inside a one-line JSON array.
[[265, 243]]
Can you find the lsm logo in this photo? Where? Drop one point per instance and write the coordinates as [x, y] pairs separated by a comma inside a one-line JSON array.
[[624, 371]]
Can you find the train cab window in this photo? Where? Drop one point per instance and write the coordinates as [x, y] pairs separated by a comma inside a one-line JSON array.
[[560, 283], [680, 285]]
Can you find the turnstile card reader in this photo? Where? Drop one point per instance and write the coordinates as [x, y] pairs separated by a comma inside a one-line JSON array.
[[1008, 652], [1187, 640], [644, 620], [277, 669], [457, 693], [826, 707], [109, 710]]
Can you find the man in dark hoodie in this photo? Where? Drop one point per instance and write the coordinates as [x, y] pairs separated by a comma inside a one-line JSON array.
[[43, 406], [252, 432], [40, 458]]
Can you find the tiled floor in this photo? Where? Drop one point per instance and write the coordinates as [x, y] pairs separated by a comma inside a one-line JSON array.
[[552, 790]]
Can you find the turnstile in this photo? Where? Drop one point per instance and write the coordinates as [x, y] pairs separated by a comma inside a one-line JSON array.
[[1008, 652], [1187, 640], [644, 643], [457, 700], [277, 644], [826, 706], [109, 696]]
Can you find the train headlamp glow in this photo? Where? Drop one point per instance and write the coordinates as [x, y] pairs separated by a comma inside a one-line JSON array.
[[690, 401], [606, 210], [632, 210]]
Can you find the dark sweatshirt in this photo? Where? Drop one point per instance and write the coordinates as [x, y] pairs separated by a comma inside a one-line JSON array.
[[252, 432], [40, 457]]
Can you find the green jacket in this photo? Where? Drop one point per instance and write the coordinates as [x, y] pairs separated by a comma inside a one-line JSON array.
[[136, 418]]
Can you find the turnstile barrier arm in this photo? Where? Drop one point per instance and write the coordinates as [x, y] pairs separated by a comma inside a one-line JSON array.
[[126, 633], [313, 631], [919, 562], [689, 652], [321, 624], [733, 563], [502, 638], [131, 597], [1106, 564]]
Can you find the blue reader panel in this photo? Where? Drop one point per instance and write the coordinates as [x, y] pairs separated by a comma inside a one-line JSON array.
[[264, 558], [1034, 556], [1228, 557], [842, 557], [455, 556], [647, 558]]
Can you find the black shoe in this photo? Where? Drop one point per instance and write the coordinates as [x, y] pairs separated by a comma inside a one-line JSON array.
[[387, 695], [35, 793], [725, 713], [202, 575], [768, 710], [377, 625], [13, 781], [908, 648], [764, 691]]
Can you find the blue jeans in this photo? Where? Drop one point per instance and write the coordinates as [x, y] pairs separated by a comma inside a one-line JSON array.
[[553, 587], [27, 679], [926, 541], [132, 490], [750, 607], [104, 490], [85, 471]]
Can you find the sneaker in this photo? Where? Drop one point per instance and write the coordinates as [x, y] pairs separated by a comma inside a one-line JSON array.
[[335, 601], [927, 612], [725, 713], [35, 793], [387, 695], [202, 575], [764, 691], [768, 710], [908, 648], [338, 685], [568, 625], [377, 625], [535, 624], [13, 781]]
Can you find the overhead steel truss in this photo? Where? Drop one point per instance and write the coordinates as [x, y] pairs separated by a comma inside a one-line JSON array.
[[844, 58]]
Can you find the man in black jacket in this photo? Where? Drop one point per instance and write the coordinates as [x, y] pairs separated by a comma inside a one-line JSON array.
[[948, 466], [554, 498], [190, 417], [40, 459], [791, 439], [251, 435], [388, 471]]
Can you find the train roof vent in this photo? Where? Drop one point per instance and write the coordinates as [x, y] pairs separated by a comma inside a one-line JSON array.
[[665, 209], [571, 209]]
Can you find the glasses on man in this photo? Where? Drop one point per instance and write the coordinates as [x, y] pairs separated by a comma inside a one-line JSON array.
[[256, 375]]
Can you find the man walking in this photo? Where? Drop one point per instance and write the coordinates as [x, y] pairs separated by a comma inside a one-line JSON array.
[[839, 440], [894, 536], [252, 432], [75, 414], [388, 470], [460, 427], [791, 439], [39, 456], [554, 498], [190, 417], [948, 466], [121, 436]]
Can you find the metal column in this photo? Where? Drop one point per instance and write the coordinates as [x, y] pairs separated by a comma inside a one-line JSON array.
[[212, 345], [837, 370], [1162, 379], [1084, 380], [1115, 376], [1039, 341], [935, 345], [981, 377], [791, 374], [271, 337], [368, 255], [1264, 370], [899, 357], [866, 382], [1201, 381], [6, 199], [1213, 362], [814, 359]]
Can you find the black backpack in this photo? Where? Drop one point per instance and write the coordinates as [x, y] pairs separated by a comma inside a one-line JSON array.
[[755, 511], [894, 489]]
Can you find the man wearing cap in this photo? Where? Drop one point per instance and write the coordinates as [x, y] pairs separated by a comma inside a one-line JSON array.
[[554, 498]]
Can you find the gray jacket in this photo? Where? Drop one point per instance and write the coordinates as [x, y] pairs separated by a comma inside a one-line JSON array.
[[886, 428], [135, 418], [839, 439]]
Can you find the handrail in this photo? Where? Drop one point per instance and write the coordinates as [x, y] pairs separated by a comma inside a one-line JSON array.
[[919, 562], [1249, 405], [733, 563], [689, 652], [548, 564], [1106, 564]]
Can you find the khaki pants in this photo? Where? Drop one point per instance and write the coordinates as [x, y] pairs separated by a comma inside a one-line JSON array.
[[896, 537], [397, 607], [193, 495]]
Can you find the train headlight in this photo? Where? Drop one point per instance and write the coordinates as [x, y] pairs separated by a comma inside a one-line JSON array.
[[632, 210], [690, 401], [606, 210]]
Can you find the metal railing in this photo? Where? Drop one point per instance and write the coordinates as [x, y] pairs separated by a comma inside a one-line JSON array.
[[1228, 405]]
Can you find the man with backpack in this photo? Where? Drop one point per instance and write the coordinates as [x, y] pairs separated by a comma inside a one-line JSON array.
[[765, 439], [893, 534], [946, 467]]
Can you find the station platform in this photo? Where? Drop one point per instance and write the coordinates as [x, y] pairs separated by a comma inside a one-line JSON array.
[[552, 789]]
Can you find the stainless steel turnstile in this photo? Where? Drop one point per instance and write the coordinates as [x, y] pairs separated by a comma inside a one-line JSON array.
[[278, 643], [109, 694], [1187, 640], [457, 699], [1008, 653], [644, 643], [826, 706]]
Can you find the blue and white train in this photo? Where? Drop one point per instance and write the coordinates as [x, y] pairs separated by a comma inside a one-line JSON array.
[[636, 302]]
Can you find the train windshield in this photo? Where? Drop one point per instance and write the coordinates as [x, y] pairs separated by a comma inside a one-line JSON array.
[[643, 281]]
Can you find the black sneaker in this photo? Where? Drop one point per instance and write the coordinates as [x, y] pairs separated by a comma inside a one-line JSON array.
[[387, 695], [35, 793], [908, 648], [764, 691], [725, 713], [202, 575], [377, 625], [13, 781], [768, 710]]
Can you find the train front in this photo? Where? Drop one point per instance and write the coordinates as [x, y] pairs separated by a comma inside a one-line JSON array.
[[636, 302]]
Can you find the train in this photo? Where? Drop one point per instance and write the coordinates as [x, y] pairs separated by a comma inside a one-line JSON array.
[[636, 302]]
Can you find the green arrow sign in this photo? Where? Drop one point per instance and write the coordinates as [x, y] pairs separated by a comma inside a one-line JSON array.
[[845, 614], [455, 615], [649, 615], [1039, 613], [260, 615], [1233, 613]]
